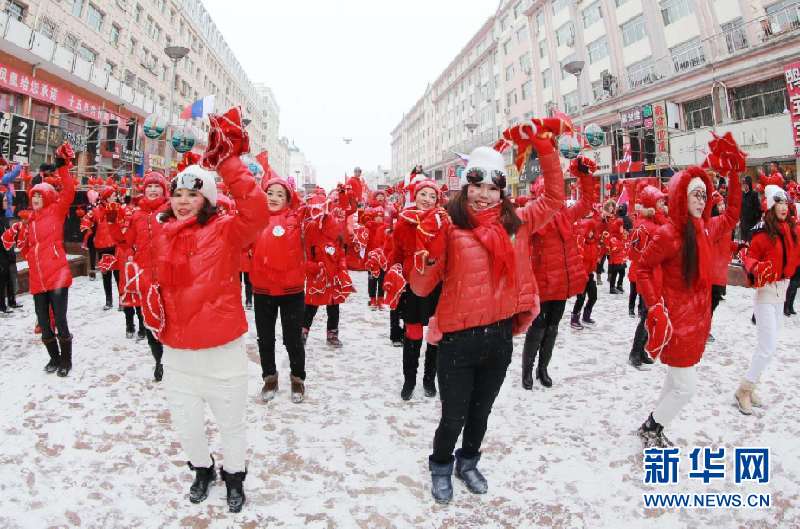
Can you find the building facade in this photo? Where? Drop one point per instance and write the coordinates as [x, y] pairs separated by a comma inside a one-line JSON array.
[[107, 59], [301, 169], [655, 76]]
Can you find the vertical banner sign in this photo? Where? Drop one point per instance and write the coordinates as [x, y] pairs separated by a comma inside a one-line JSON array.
[[5, 132], [662, 133], [792, 73], [20, 139]]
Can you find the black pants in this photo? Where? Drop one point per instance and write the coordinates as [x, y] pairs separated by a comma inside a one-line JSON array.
[[248, 288], [92, 253], [6, 287], [601, 265], [292, 309], [156, 347], [375, 285], [550, 313], [791, 292], [107, 276], [129, 326], [640, 336], [717, 292], [333, 316], [589, 292], [395, 329], [471, 368], [59, 300], [632, 295], [616, 273]]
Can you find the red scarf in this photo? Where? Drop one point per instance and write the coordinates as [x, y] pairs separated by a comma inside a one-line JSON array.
[[703, 254], [173, 263], [493, 237]]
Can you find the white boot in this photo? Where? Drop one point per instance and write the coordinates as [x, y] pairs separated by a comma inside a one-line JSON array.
[[744, 397]]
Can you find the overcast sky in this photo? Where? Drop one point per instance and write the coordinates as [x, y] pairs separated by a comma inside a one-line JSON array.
[[346, 68]]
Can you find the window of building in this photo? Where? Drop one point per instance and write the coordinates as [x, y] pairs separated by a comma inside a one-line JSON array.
[[139, 11], [40, 112], [133, 46], [597, 90], [546, 78], [527, 90], [504, 23], [735, 36], [71, 42], [47, 28], [511, 98], [571, 102], [565, 35], [522, 34], [633, 31], [540, 21], [15, 10], [592, 14], [674, 10], [87, 54], [517, 10], [94, 17], [688, 55], [525, 63], [507, 46], [783, 15], [755, 100], [77, 7], [542, 49], [558, 5], [698, 113], [130, 78], [113, 37], [620, 2], [509, 72], [597, 50], [642, 73]]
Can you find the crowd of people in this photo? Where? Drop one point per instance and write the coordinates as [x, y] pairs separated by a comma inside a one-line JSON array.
[[460, 272]]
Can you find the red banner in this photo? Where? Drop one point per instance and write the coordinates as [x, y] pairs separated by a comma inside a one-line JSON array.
[[792, 73], [20, 83]]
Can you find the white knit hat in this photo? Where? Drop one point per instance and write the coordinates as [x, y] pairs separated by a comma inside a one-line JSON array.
[[775, 194], [488, 161], [196, 178], [695, 184]]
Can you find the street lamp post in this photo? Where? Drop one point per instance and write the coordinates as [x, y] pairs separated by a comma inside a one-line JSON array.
[[175, 53], [576, 68]]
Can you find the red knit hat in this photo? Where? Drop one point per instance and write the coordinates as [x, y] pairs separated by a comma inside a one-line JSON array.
[[154, 177], [421, 182]]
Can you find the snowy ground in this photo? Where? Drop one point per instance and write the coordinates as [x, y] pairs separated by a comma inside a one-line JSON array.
[[97, 449]]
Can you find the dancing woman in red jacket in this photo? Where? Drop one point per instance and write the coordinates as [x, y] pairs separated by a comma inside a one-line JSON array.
[[198, 252], [43, 248], [408, 252], [679, 309], [772, 258], [488, 295], [652, 215], [278, 277], [559, 272], [589, 246], [99, 222]]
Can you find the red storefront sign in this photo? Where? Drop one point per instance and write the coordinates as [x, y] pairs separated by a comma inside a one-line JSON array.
[[20, 83], [792, 73]]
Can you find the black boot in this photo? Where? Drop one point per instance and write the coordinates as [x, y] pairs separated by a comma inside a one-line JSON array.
[[65, 366], [429, 378], [587, 317], [204, 478], [55, 356], [533, 340], [235, 494], [157, 350], [411, 350], [545, 354], [652, 434], [441, 481], [467, 471], [645, 358]]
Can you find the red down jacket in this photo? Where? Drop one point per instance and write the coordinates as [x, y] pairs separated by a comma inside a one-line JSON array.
[[556, 260], [782, 253], [689, 306], [326, 266], [44, 246], [198, 266], [278, 265], [471, 297]]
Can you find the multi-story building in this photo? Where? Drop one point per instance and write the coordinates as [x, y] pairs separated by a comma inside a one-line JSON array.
[[93, 69], [303, 172], [270, 118], [655, 75], [378, 178]]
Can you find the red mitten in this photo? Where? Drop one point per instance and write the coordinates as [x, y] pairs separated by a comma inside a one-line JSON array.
[[547, 132], [66, 152], [342, 286], [106, 263], [153, 311], [226, 138], [313, 269], [393, 285], [130, 290], [582, 166], [659, 329], [9, 237], [376, 261], [762, 274]]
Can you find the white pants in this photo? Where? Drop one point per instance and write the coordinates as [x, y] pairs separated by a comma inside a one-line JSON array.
[[768, 324], [676, 393], [217, 377]]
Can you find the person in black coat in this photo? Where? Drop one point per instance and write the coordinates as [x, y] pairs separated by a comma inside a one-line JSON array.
[[7, 260], [751, 209]]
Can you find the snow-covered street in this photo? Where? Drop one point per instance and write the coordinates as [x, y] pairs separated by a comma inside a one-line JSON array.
[[97, 449]]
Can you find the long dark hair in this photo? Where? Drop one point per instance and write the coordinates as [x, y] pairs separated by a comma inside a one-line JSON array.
[[206, 213], [771, 223], [689, 252], [458, 210]]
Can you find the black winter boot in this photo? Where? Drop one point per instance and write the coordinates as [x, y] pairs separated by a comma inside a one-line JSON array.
[[467, 471], [55, 356], [533, 340], [411, 350], [333, 338], [441, 481], [429, 377], [545, 354], [587, 317], [204, 478], [65, 366], [235, 494], [652, 434]]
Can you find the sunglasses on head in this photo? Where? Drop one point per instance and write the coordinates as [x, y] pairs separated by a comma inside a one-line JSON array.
[[477, 176]]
